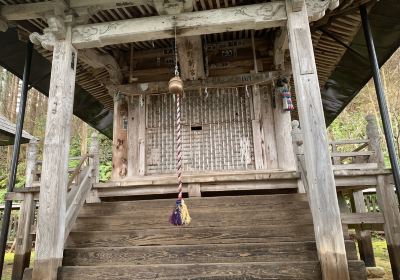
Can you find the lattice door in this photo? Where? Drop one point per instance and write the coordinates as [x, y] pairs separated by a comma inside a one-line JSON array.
[[217, 132]]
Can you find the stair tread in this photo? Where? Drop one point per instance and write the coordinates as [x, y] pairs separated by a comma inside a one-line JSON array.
[[227, 203], [186, 235], [219, 253], [215, 219], [309, 270]]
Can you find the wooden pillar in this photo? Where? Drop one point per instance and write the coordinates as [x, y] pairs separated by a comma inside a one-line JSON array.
[[321, 183], [268, 129], [256, 125], [363, 236], [137, 136], [23, 244], [387, 200], [95, 161], [120, 145], [283, 136], [53, 187], [298, 151], [343, 209]]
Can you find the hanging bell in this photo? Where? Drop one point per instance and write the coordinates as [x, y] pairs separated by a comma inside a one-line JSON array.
[[175, 85]]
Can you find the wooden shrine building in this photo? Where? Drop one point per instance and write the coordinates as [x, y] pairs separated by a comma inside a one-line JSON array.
[[264, 186]]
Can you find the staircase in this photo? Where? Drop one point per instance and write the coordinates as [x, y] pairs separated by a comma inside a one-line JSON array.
[[240, 237]]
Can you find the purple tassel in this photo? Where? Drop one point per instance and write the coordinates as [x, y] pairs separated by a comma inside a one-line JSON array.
[[175, 217]]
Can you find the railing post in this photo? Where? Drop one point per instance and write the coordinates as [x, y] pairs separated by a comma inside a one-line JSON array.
[[387, 201], [93, 196], [374, 141], [23, 245], [363, 236], [297, 143]]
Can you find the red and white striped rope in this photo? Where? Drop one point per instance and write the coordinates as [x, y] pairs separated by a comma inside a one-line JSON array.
[[179, 146]]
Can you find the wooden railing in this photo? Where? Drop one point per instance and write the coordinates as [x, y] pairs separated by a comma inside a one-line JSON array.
[[81, 179], [363, 160]]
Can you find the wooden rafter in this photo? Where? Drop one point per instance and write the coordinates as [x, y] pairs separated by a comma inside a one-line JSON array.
[[97, 60]]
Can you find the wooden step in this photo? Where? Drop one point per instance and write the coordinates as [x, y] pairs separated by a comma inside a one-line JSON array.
[[222, 271], [284, 201], [188, 236], [216, 253], [216, 219]]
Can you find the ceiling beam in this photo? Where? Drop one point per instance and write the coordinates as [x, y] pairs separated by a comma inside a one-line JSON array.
[[97, 60], [281, 44], [41, 9], [210, 82], [258, 16]]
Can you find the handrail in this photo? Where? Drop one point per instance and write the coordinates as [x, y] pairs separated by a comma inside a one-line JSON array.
[[77, 169]]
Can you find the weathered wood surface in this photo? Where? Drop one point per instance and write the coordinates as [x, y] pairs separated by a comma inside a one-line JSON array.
[[77, 199], [363, 236], [23, 244], [221, 253], [289, 270], [389, 207], [320, 178], [100, 60], [50, 242], [283, 135], [225, 81], [388, 203], [120, 138], [266, 236], [190, 56], [268, 128], [258, 16], [188, 236], [199, 219], [256, 128], [136, 135], [362, 219]]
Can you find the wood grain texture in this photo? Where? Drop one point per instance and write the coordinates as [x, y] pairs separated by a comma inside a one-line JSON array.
[[320, 177], [211, 253], [192, 236], [119, 155], [248, 271], [52, 213], [227, 203], [199, 220]]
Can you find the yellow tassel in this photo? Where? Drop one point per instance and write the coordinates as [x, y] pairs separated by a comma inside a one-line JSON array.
[[185, 217]]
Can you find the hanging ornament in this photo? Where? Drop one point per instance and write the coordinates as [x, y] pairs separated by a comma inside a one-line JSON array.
[[180, 214], [283, 89]]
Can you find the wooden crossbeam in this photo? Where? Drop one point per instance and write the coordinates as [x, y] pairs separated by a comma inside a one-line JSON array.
[[258, 16], [211, 82], [97, 60]]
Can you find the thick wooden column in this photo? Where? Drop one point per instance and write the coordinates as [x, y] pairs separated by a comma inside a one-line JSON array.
[[53, 189], [387, 200], [23, 244], [137, 135], [321, 183], [256, 126], [93, 196], [120, 138], [268, 128], [283, 136]]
